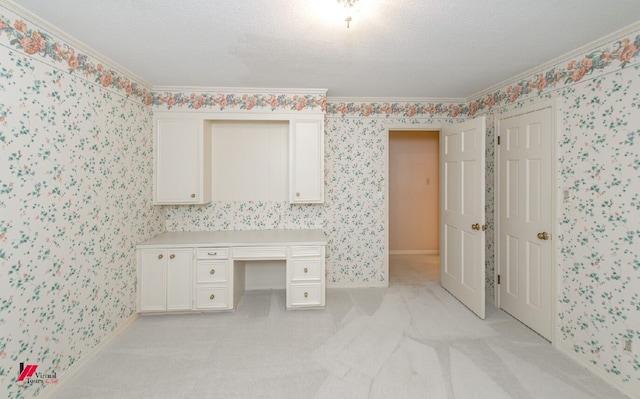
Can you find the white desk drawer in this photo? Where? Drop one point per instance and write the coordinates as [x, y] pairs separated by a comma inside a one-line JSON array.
[[213, 253], [308, 251], [212, 298], [261, 253], [306, 295], [306, 269], [212, 271]]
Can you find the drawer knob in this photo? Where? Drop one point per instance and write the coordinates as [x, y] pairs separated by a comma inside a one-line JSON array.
[[193, 195], [212, 271], [212, 253], [297, 194], [160, 256], [306, 294], [172, 256], [306, 270], [212, 297]]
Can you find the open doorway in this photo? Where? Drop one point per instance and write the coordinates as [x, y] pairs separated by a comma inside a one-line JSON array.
[[414, 223]]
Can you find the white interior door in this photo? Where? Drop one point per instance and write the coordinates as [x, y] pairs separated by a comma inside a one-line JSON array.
[[462, 243], [525, 218]]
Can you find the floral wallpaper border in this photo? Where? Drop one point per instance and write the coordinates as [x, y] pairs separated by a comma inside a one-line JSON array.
[[239, 101], [617, 55], [397, 109], [36, 42]]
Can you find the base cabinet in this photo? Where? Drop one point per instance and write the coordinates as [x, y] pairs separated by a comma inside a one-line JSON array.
[[306, 277], [214, 279], [185, 271], [164, 281], [208, 297]]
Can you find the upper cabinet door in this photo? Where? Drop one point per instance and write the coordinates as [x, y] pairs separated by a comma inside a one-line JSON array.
[[306, 161], [182, 173]]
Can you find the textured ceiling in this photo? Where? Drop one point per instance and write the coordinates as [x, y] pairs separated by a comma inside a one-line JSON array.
[[402, 48]]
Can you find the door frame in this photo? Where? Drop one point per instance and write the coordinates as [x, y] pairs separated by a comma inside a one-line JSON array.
[[556, 202], [403, 127]]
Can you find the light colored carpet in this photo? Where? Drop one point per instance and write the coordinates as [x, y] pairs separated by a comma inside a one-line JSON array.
[[412, 340]]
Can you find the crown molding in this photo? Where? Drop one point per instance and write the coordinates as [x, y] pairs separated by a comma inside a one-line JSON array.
[[559, 60], [77, 44], [242, 90], [394, 100]]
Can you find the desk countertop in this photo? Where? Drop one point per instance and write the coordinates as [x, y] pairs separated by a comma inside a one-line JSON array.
[[235, 238]]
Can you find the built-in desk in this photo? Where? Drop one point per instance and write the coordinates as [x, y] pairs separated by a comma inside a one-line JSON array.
[[204, 270]]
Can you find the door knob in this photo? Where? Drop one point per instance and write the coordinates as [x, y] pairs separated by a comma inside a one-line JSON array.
[[543, 236], [475, 226]]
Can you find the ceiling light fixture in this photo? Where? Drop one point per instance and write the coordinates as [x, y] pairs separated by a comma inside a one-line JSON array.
[[348, 5]]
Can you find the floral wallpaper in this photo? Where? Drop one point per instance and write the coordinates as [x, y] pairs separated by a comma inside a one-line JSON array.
[[75, 136], [75, 197], [250, 215], [599, 227]]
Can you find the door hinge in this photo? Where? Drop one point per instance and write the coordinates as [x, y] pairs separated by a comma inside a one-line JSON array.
[[498, 279], [498, 140]]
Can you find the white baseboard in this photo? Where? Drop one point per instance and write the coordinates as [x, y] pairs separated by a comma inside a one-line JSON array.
[[76, 367], [375, 284], [414, 252], [626, 390]]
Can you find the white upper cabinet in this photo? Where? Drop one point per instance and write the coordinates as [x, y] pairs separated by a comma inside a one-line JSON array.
[[306, 161], [253, 160], [182, 157]]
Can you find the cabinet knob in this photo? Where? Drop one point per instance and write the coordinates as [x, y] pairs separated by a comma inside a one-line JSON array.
[[306, 294], [212, 297], [193, 195], [213, 271], [306, 270], [172, 256], [160, 256], [297, 194]]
